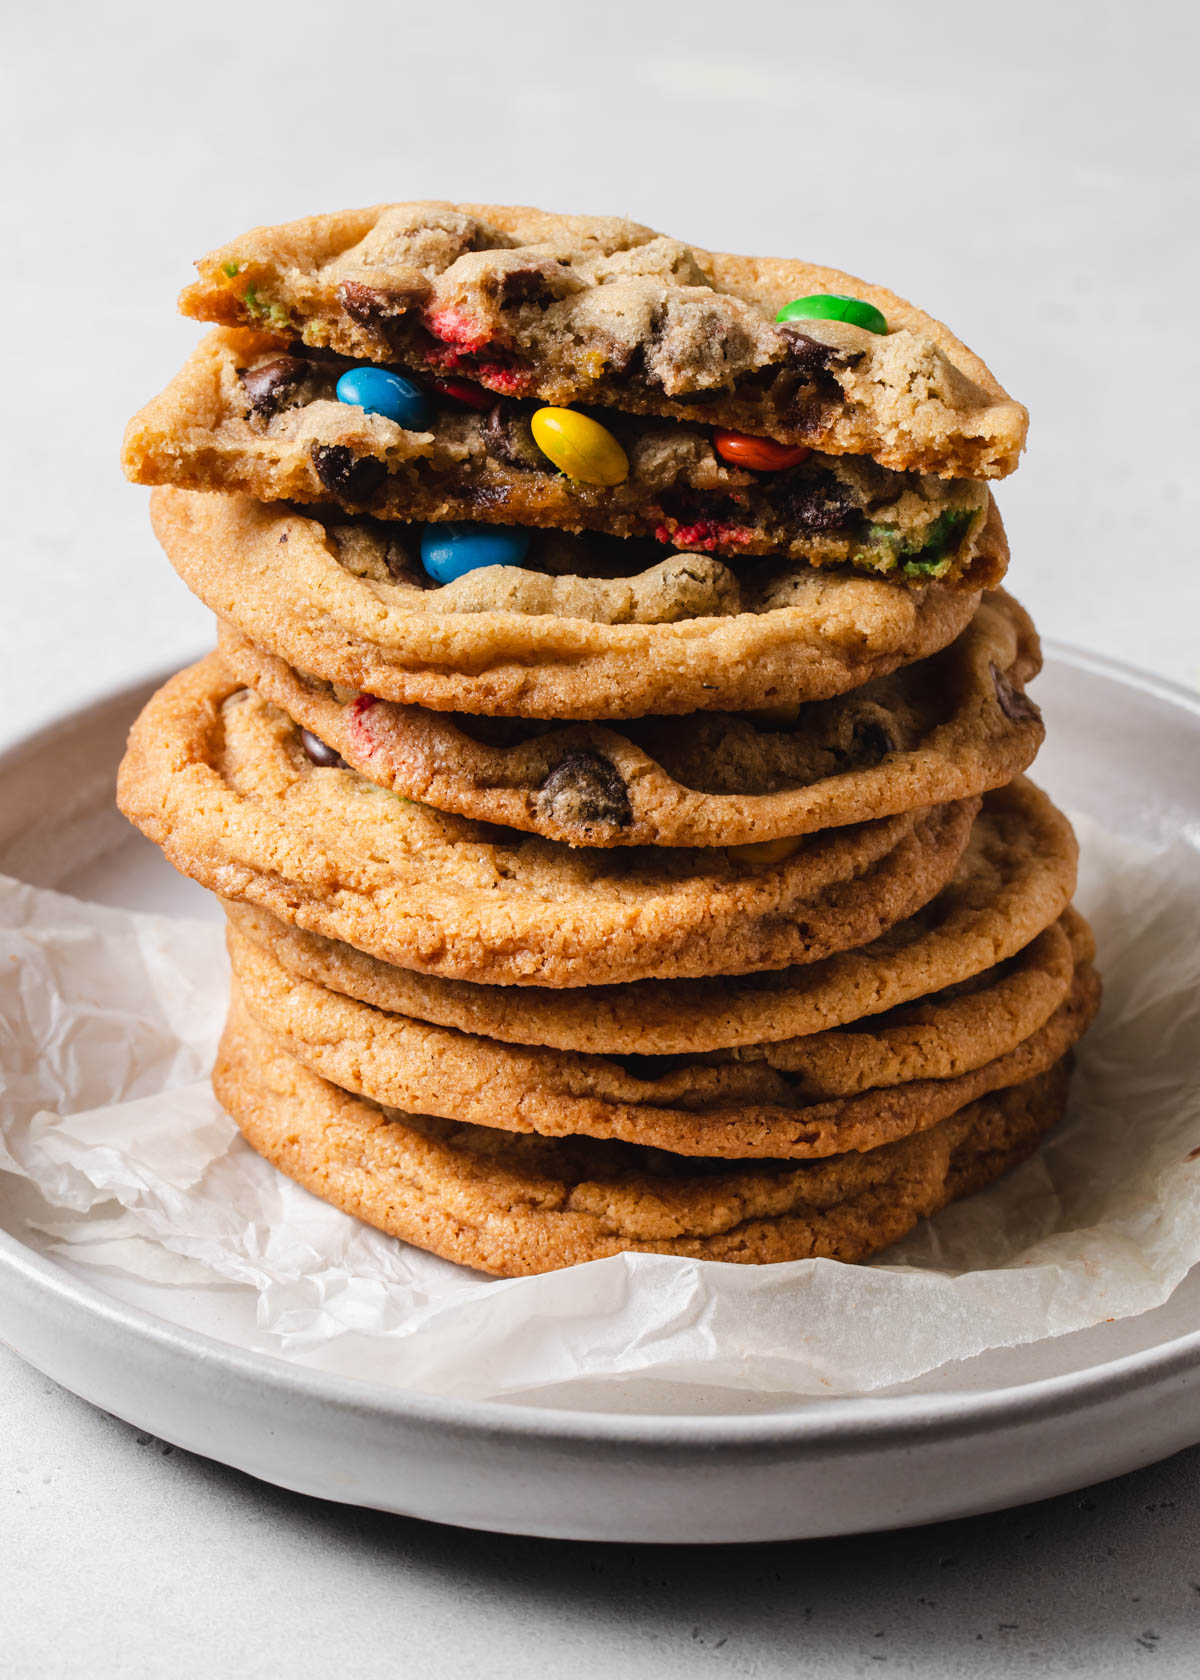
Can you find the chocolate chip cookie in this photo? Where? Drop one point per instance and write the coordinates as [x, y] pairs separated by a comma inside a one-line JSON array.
[[945, 728], [1014, 880], [220, 780], [899, 1073], [514, 1204]]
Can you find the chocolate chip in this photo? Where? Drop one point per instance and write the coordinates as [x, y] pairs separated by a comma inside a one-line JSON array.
[[807, 355], [349, 477], [487, 496], [1014, 702], [322, 756], [268, 384], [525, 285], [811, 504], [585, 790], [872, 742], [401, 567], [507, 437], [378, 308]]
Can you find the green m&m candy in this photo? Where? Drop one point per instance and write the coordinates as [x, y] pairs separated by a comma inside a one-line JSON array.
[[829, 306]]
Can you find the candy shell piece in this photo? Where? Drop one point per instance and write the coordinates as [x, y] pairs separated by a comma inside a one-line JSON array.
[[758, 453], [450, 551], [390, 394], [832, 306], [580, 447], [466, 392]]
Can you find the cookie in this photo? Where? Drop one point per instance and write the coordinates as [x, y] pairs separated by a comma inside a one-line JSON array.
[[241, 417], [515, 1204], [340, 602], [760, 1102], [946, 728], [600, 310], [1015, 879], [220, 780]]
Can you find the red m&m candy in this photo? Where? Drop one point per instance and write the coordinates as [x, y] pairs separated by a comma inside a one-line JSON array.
[[760, 454], [463, 391]]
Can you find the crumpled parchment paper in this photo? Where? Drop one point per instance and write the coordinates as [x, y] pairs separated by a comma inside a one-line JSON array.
[[122, 1161]]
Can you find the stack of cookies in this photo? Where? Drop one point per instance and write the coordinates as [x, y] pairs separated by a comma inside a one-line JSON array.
[[611, 764]]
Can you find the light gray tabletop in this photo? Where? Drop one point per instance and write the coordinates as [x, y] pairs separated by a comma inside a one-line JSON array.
[[1028, 173]]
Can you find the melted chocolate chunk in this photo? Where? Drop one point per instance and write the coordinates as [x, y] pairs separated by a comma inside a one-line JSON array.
[[1014, 703], [377, 307], [484, 496], [812, 504], [807, 355], [402, 569], [349, 477], [872, 742], [585, 790], [267, 385], [525, 285], [507, 437], [319, 754]]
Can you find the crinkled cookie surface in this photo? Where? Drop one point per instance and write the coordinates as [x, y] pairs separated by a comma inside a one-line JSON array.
[[947, 727], [514, 1204], [759, 1102], [1014, 880], [220, 781]]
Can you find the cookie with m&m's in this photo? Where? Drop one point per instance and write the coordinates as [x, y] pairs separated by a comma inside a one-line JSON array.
[[324, 431], [598, 310], [585, 627]]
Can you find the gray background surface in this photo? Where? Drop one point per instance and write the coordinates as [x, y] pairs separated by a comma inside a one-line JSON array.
[[1026, 172]]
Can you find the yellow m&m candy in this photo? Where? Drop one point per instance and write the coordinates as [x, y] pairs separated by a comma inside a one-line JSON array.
[[766, 851], [581, 448]]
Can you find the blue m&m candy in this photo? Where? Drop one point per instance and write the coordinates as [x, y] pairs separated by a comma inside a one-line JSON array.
[[450, 551], [381, 392]]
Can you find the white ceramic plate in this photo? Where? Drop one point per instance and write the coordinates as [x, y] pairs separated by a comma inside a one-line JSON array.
[[1010, 1426]]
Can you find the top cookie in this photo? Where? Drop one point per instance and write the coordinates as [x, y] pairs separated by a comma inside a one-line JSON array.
[[602, 310]]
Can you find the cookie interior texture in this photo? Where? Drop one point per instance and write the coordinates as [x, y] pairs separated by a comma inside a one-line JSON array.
[[1014, 880], [507, 296], [513, 1204], [895, 1075], [241, 417], [948, 727], [219, 779], [332, 600]]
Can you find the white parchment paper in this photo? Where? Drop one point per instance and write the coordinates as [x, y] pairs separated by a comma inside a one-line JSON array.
[[114, 1153]]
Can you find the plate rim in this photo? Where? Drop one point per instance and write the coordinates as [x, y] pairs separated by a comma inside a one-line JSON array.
[[855, 1421]]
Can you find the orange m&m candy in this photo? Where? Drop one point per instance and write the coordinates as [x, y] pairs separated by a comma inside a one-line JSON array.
[[761, 454]]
